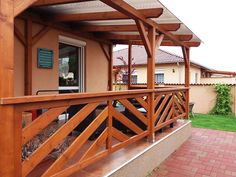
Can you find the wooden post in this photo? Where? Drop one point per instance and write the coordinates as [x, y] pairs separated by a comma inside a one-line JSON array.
[[110, 68], [186, 55], [28, 58], [129, 65], [10, 156], [109, 126], [151, 82]]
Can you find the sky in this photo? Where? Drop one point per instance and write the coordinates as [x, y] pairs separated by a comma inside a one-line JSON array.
[[214, 22]]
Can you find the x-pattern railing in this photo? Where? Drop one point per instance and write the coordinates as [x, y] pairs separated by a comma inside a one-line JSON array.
[[117, 128]]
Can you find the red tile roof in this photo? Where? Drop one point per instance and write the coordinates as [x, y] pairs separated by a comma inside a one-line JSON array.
[[140, 57]]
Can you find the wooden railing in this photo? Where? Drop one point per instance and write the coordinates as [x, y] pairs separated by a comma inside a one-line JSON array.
[[145, 111]]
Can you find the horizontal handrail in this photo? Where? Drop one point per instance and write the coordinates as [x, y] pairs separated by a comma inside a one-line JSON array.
[[73, 96], [159, 108]]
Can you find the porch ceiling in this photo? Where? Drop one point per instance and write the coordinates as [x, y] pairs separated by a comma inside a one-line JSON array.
[[98, 18]]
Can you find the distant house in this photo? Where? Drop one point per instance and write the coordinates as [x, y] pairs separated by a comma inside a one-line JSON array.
[[169, 68]]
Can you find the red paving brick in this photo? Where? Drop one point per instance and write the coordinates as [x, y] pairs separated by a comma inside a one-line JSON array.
[[207, 153]]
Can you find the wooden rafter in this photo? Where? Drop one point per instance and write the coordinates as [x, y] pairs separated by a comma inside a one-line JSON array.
[[112, 36], [35, 19], [221, 72], [21, 5], [164, 43], [133, 13], [129, 28], [111, 15], [56, 2]]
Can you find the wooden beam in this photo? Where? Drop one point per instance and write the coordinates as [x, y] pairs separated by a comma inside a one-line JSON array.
[[221, 72], [186, 55], [151, 59], [144, 37], [6, 48], [164, 43], [151, 82], [127, 28], [110, 68], [38, 20], [130, 11], [28, 58], [19, 35], [56, 2], [129, 65], [21, 5], [10, 124], [111, 36], [111, 15], [40, 34]]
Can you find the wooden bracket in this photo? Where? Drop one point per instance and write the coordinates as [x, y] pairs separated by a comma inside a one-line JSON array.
[[108, 57], [40, 34], [144, 37], [159, 40], [19, 35]]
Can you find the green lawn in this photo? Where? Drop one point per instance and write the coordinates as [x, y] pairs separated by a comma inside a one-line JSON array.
[[226, 123]]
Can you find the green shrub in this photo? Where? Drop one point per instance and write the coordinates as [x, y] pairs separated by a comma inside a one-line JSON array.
[[223, 100]]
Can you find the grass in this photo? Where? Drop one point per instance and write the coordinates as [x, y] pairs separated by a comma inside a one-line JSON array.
[[215, 122]]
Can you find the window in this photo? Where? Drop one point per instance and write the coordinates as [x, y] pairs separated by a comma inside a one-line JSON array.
[[68, 65], [71, 67], [196, 78], [134, 79], [159, 77]]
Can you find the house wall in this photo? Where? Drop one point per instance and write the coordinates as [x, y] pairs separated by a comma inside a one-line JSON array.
[[215, 80], [173, 73], [96, 63]]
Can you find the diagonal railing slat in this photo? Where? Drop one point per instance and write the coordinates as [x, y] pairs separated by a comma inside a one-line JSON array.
[[40, 153], [77, 144], [40, 123]]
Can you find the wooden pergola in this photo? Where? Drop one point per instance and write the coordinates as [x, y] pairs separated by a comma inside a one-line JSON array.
[[144, 30]]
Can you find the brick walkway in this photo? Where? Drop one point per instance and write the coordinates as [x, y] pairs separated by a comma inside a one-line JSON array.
[[206, 153]]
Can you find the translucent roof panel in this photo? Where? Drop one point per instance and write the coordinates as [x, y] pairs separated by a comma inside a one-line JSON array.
[[97, 6]]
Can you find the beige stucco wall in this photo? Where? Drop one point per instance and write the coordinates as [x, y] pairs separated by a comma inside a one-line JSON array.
[[204, 97], [173, 73], [96, 63]]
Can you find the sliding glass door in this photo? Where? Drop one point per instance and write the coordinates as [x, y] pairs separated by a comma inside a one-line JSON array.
[[71, 68]]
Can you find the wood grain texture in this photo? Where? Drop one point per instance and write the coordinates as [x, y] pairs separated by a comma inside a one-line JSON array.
[[77, 144]]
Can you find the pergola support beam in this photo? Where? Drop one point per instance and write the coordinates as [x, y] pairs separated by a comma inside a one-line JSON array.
[[110, 68], [10, 125], [186, 55], [129, 65], [151, 83], [28, 57]]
